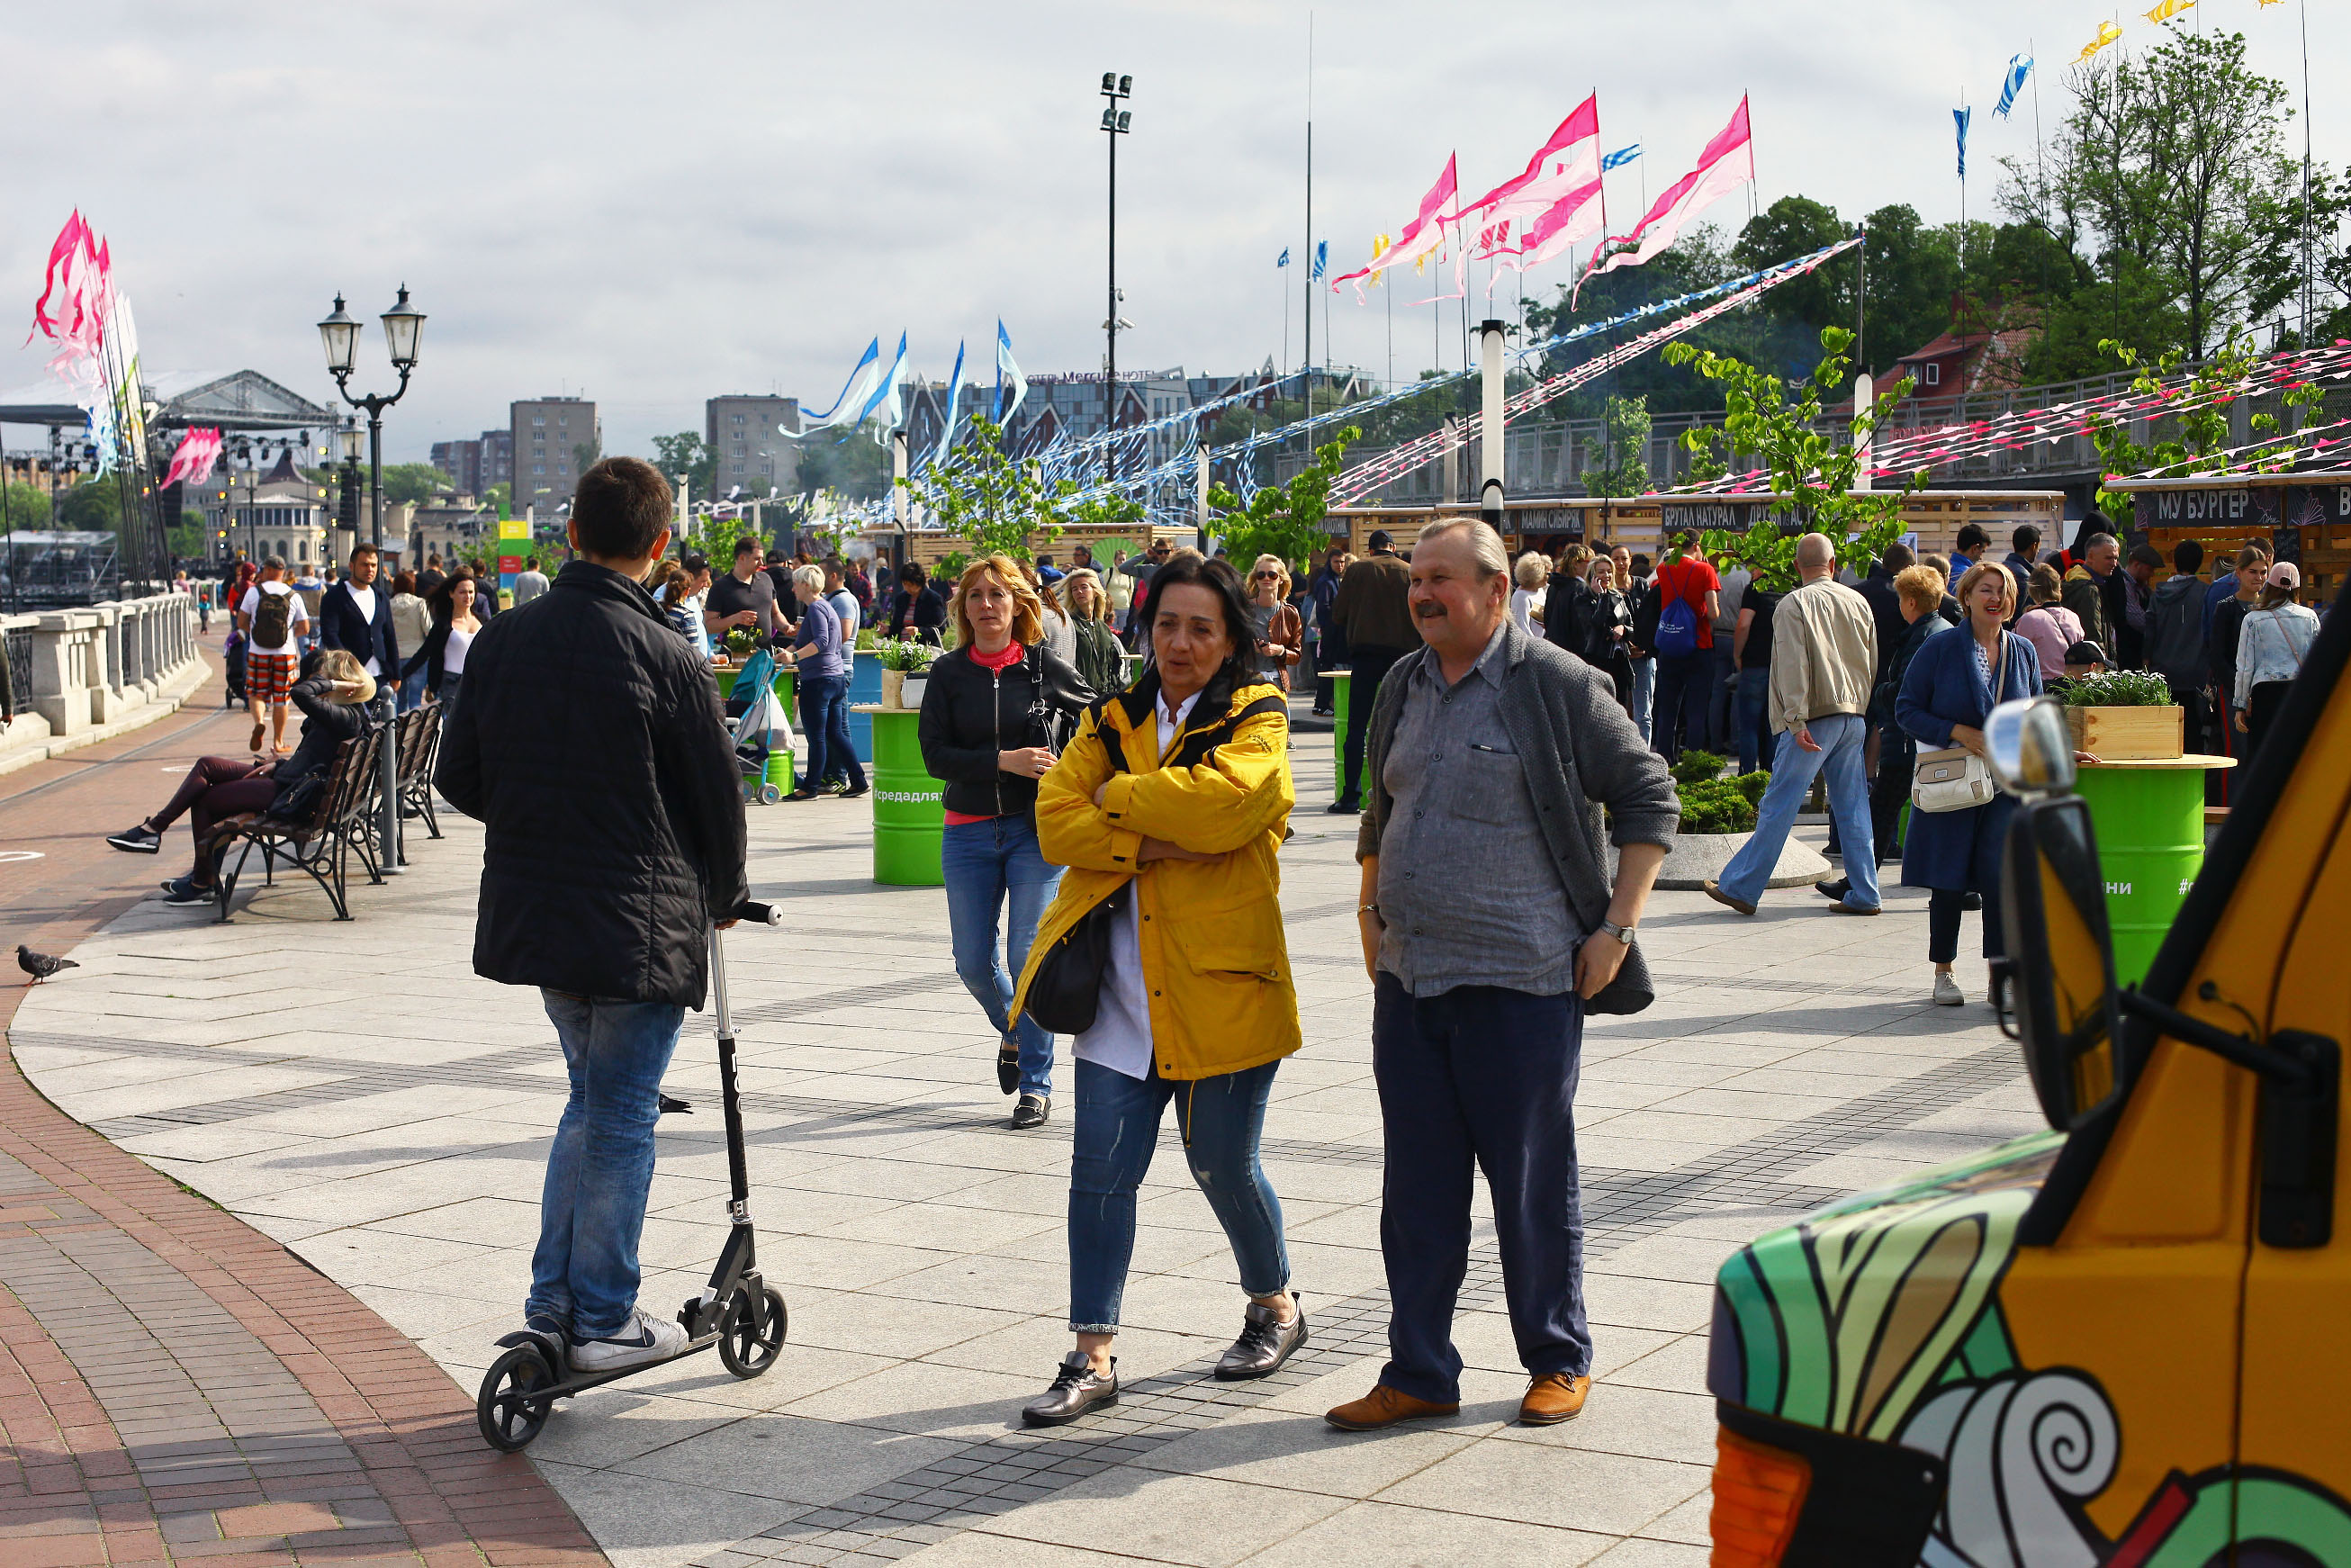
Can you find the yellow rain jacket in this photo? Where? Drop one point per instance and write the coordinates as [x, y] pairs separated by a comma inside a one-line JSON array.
[[1222, 999]]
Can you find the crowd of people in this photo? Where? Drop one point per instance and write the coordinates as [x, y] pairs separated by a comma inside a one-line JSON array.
[[1112, 855]]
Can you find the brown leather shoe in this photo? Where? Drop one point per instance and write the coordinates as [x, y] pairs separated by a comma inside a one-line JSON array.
[[1713, 890], [1553, 1397], [1384, 1407]]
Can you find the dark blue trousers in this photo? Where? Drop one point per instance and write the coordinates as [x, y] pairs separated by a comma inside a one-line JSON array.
[[1483, 1077]]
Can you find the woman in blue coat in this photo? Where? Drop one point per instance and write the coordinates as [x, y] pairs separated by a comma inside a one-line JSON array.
[[1952, 685]]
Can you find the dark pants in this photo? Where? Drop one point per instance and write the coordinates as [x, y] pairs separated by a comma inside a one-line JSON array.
[[1371, 664], [2261, 706], [1478, 1078], [824, 715], [217, 788], [2195, 737], [1330, 654], [1944, 907], [1897, 759], [1678, 718], [1719, 734]]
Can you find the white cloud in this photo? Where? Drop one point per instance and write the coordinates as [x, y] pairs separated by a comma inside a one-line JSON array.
[[652, 204]]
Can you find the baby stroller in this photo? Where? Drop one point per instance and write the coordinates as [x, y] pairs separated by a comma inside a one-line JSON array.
[[232, 663], [760, 728]]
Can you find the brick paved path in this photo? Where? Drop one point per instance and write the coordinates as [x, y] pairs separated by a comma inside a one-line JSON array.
[[175, 1386]]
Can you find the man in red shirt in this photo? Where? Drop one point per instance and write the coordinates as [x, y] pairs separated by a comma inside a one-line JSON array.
[[1686, 591]]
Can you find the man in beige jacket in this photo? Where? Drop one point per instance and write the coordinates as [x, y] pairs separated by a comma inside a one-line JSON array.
[[1823, 655]]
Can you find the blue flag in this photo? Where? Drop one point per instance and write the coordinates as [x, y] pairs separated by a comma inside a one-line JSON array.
[[1285, 258], [2019, 67], [954, 397], [1007, 370], [1321, 258], [1959, 117], [1622, 156]]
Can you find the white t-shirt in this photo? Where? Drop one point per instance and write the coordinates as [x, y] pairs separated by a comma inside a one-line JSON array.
[[363, 599], [1121, 1038], [296, 617]]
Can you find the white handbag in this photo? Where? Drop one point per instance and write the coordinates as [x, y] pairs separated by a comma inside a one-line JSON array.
[[1951, 781]]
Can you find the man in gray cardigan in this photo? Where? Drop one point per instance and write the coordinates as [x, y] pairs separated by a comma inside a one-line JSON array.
[[1489, 928]]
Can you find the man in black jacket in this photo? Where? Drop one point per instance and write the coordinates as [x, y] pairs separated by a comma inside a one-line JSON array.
[[356, 613], [591, 747]]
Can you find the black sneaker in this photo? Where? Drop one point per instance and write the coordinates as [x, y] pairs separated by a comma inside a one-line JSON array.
[[1031, 1111], [1345, 807], [1077, 1388], [855, 790], [1835, 892], [141, 840], [182, 892]]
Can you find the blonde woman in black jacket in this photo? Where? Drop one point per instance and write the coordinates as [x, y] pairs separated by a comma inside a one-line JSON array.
[[994, 716]]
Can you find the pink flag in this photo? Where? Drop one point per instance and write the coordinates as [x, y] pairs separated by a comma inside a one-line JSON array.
[[1574, 216], [75, 298], [1570, 159], [1728, 159], [198, 451], [1420, 237]]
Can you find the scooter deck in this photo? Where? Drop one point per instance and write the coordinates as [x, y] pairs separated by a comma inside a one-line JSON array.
[[580, 1382]]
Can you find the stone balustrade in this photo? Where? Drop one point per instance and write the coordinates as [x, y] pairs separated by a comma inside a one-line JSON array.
[[81, 674]]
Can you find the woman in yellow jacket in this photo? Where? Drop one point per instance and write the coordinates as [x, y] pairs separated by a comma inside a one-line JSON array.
[[1173, 798]]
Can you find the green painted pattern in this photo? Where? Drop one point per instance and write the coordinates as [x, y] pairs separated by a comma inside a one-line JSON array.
[[1906, 1273], [2267, 1508], [2150, 826], [909, 813]]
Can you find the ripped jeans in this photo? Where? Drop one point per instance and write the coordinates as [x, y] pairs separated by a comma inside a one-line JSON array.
[[1117, 1129]]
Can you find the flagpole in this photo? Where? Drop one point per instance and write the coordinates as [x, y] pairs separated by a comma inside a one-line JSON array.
[[2306, 174], [1306, 361]]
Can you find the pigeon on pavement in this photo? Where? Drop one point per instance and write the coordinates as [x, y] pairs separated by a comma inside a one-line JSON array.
[[41, 965]]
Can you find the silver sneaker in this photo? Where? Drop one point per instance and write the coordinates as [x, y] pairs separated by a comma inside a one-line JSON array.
[[644, 1340], [1946, 991]]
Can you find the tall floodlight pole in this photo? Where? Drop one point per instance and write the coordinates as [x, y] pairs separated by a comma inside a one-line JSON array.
[[1489, 427], [404, 324], [1115, 88]]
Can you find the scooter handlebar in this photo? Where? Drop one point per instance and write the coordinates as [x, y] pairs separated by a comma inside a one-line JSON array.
[[755, 914]]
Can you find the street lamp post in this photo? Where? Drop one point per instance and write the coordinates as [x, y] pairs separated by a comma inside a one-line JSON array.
[[402, 325], [1115, 88]]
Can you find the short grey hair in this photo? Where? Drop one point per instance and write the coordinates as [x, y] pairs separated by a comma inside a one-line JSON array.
[[1531, 570], [1493, 557], [2095, 540], [809, 576]]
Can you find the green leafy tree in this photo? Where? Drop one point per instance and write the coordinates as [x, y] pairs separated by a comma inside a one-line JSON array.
[[688, 455], [2200, 433], [190, 536], [416, 482], [586, 454], [1766, 416], [500, 499], [855, 468], [93, 506], [27, 507], [1284, 519], [987, 495], [1622, 470], [2171, 170]]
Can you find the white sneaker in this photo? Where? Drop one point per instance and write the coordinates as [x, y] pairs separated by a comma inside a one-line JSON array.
[[1946, 991], [644, 1341]]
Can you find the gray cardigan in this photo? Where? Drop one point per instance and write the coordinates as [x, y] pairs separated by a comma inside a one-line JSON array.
[[1579, 752]]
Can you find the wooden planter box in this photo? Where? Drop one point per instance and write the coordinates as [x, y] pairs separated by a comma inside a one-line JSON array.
[[2127, 734]]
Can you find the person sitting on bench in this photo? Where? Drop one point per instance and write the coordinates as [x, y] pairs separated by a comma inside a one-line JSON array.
[[333, 694]]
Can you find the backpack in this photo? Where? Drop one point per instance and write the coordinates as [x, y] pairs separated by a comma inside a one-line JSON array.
[[1677, 633], [272, 617]]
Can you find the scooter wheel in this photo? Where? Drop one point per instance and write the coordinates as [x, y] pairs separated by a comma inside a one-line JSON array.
[[751, 1335], [769, 794], [510, 1409]]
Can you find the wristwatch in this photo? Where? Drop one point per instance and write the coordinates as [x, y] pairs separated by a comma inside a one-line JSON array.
[[1622, 932]]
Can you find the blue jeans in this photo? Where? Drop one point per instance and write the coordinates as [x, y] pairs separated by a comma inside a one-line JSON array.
[[1479, 1077], [1644, 686], [825, 716], [592, 1209], [1840, 737], [411, 690], [1678, 718], [984, 861], [1221, 1118], [1756, 742]]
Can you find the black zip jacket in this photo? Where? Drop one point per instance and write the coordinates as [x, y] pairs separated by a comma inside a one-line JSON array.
[[590, 746], [328, 721], [970, 713]]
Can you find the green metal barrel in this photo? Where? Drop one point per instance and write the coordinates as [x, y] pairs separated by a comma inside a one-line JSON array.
[[2149, 818], [908, 816]]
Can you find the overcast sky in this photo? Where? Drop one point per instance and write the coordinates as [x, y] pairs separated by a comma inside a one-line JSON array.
[[652, 204]]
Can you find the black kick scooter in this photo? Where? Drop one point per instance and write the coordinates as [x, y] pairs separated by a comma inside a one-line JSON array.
[[737, 1311]]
